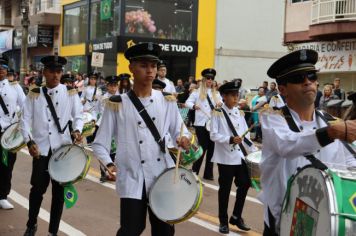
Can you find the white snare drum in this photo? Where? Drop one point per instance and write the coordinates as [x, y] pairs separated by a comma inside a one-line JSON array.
[[320, 203], [176, 202], [89, 126], [68, 164], [12, 139], [253, 161]]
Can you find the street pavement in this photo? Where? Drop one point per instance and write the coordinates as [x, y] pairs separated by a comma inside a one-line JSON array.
[[97, 211]]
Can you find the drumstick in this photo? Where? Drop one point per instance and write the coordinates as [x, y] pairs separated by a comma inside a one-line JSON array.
[[106, 168], [179, 152], [244, 134]]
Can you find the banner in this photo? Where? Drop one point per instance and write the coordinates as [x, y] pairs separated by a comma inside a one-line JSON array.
[[335, 56]]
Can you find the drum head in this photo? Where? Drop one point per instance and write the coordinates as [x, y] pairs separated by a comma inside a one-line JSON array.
[[87, 117], [171, 201], [12, 137], [311, 199], [254, 157], [67, 164]]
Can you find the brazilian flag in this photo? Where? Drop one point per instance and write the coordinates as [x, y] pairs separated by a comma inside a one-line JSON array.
[[4, 157], [105, 10], [70, 196]]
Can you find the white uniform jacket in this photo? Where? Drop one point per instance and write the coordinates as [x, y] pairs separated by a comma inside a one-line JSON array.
[[37, 117], [100, 105], [138, 156], [13, 97], [282, 154], [169, 86], [90, 103], [224, 152], [201, 117]]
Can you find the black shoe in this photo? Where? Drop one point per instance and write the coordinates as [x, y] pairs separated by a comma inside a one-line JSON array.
[[103, 179], [239, 223], [31, 231], [224, 229], [211, 178]]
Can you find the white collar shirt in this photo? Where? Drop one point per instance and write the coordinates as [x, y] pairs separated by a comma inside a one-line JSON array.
[[38, 123], [283, 152], [204, 113], [90, 103], [14, 98], [220, 133], [169, 85], [138, 156]]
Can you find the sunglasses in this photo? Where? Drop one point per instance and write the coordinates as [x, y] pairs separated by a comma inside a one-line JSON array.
[[300, 78]]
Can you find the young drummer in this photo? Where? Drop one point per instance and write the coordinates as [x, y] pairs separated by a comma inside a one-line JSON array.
[[229, 152]]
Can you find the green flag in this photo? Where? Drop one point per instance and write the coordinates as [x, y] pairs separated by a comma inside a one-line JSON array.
[[105, 10], [70, 195], [4, 157]]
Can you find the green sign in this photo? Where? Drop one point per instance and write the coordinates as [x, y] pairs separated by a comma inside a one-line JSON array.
[[105, 10]]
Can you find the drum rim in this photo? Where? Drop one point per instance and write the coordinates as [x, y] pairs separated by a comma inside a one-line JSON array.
[[197, 200], [14, 148], [332, 201], [82, 174]]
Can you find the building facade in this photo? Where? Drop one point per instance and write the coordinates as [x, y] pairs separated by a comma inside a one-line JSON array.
[[329, 27], [95, 34], [249, 38], [43, 38]]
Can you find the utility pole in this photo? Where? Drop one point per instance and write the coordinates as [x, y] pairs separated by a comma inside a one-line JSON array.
[[25, 22]]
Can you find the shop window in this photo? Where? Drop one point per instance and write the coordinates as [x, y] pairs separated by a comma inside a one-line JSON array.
[[104, 21], [165, 19], [76, 64], [75, 25]]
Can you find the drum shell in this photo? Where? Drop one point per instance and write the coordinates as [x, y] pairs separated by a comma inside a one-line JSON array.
[[89, 125], [319, 195], [169, 173], [253, 165], [12, 130]]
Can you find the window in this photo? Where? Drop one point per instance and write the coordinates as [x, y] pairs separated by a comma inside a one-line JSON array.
[[166, 19], [104, 21], [76, 64], [75, 25]]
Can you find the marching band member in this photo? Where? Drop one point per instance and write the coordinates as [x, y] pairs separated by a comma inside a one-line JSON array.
[[161, 75], [44, 126], [90, 98], [112, 85], [11, 97], [297, 135], [203, 101], [229, 153], [125, 84], [140, 157]]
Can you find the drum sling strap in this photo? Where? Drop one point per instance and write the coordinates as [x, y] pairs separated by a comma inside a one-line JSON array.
[[93, 97], [53, 111], [210, 103], [3, 106], [147, 119], [233, 130], [293, 126]]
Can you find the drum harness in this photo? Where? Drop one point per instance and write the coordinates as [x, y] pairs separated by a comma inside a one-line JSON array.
[[147, 119], [233, 130], [54, 114]]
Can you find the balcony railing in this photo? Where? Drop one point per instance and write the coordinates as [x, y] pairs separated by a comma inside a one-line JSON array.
[[325, 11]]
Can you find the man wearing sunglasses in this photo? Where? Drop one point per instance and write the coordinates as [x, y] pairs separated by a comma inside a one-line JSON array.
[[284, 145]]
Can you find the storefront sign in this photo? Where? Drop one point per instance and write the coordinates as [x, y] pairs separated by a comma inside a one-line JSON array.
[[337, 56], [108, 46], [38, 36], [169, 47], [5, 41]]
